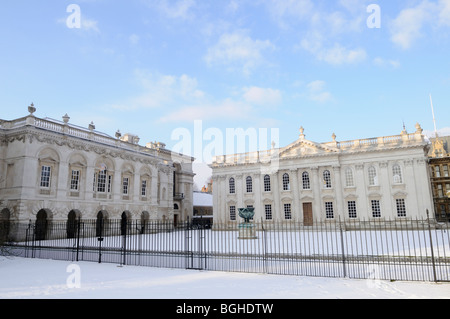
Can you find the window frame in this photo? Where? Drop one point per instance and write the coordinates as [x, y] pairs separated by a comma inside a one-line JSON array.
[[327, 179], [287, 208], [46, 176], [373, 176], [352, 209], [329, 210], [306, 181], [75, 180], [397, 171], [401, 207], [267, 184], [249, 184], [375, 208], [286, 182], [231, 186]]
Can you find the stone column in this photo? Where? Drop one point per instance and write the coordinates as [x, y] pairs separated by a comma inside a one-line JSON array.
[[317, 210], [338, 191], [294, 189]]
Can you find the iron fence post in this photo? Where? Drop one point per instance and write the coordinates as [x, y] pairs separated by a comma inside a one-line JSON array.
[[431, 245], [342, 247]]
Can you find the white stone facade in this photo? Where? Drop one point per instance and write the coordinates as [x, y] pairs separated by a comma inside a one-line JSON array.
[[384, 178], [55, 168]]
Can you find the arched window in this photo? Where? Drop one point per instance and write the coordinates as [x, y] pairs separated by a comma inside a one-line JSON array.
[[327, 179], [373, 179], [232, 186], [267, 183], [249, 184], [286, 184], [349, 182], [306, 181], [397, 174]]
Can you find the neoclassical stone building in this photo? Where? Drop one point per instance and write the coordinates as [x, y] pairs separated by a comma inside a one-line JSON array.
[[54, 171], [368, 179]]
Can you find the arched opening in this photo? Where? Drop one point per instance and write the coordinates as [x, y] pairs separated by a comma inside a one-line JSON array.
[[72, 223], [124, 223], [41, 225], [5, 215], [100, 224], [145, 216]]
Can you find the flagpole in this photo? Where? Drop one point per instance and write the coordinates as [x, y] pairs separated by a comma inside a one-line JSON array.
[[434, 120]]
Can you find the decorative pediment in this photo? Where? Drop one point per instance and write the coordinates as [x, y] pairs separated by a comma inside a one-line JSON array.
[[306, 148]]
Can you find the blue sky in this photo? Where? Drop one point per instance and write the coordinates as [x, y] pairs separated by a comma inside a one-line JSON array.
[[150, 67]]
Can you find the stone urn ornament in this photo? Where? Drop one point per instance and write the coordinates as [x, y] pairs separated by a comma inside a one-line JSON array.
[[247, 228]]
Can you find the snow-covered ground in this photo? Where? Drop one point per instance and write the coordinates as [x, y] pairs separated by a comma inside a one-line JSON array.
[[50, 279]]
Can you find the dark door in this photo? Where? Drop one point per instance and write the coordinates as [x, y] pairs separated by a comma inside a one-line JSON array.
[[307, 214], [41, 225], [71, 224]]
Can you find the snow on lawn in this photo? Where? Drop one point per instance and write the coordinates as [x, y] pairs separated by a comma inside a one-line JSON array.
[[51, 279]]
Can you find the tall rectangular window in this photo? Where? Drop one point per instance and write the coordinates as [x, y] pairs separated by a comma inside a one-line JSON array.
[[75, 180], [349, 178], [376, 210], [401, 207], [232, 212], [144, 188], [437, 171], [101, 181], [268, 210], [329, 211], [267, 183], [287, 211], [351, 209], [45, 176], [306, 181], [249, 184], [125, 185]]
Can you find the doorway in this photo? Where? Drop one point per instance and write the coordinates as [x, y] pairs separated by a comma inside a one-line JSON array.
[[307, 214]]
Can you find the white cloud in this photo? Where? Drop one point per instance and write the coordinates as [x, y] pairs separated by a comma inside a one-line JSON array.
[[336, 55], [407, 27], [238, 50], [410, 24], [445, 131], [227, 109], [386, 63], [160, 91], [262, 96], [181, 9], [316, 92], [134, 39]]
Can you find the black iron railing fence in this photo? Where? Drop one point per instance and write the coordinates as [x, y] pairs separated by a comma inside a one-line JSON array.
[[411, 250]]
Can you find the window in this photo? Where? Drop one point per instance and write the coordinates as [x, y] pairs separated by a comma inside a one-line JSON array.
[[232, 212], [397, 174], [376, 211], [125, 185], [445, 167], [268, 210], [327, 179], [232, 186], [75, 180], [351, 209], [349, 182], [45, 176], [329, 212], [401, 208], [109, 183], [249, 184], [286, 184], [287, 211], [101, 181], [267, 183], [440, 190], [437, 171], [144, 188], [306, 182], [373, 180]]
